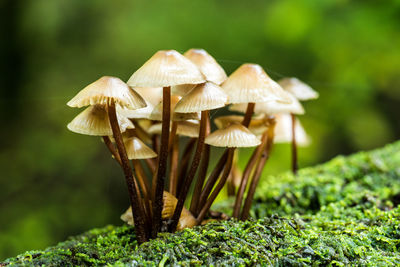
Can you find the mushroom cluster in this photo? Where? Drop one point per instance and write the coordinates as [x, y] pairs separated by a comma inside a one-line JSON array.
[[167, 103]]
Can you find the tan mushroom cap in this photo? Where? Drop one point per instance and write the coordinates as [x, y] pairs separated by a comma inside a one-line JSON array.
[[186, 220], [106, 89], [188, 128], [249, 83], [94, 121], [182, 89], [205, 96], [136, 149], [283, 131], [257, 124], [156, 114], [151, 95], [272, 107], [235, 135], [211, 70], [298, 88], [141, 113], [166, 68]]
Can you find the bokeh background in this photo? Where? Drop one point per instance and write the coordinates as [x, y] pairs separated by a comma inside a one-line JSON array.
[[54, 183]]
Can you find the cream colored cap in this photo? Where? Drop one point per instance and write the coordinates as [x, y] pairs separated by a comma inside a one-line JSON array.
[[188, 128], [166, 68], [273, 107], [151, 95], [94, 121], [156, 114], [257, 124], [235, 135], [299, 89], [136, 149], [205, 96], [283, 131], [106, 89], [182, 89], [212, 71], [249, 83], [141, 113]]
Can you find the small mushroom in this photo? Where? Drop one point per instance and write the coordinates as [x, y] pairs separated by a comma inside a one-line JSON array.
[[299, 89]]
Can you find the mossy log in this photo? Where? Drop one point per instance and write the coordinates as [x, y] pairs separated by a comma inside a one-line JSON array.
[[344, 212]]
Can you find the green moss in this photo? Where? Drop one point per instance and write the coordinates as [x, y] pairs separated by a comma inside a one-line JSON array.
[[339, 213]]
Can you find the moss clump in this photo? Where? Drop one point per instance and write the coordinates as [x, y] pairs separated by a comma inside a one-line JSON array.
[[339, 213]]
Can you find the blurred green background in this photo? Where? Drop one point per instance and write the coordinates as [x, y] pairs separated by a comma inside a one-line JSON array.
[[54, 183]]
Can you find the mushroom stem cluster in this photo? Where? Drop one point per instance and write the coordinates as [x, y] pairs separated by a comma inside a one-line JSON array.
[[166, 103]]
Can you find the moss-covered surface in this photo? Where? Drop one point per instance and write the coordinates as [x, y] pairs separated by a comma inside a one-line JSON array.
[[343, 212]]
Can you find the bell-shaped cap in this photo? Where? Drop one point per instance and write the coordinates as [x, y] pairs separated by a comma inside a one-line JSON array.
[[136, 149], [273, 107], [211, 70], [283, 131], [166, 68], [141, 113], [189, 128], [94, 121], [235, 135], [299, 89], [182, 89], [249, 83], [151, 95], [257, 124], [156, 114], [205, 96], [106, 89]]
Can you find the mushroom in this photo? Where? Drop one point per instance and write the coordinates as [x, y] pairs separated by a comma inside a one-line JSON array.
[[231, 137], [283, 131], [164, 69], [202, 98], [302, 92], [111, 91]]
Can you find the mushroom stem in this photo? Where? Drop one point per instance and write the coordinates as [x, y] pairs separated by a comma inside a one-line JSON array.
[[192, 171], [137, 210], [162, 163], [174, 149], [186, 156], [144, 185], [150, 165], [205, 160], [259, 168], [294, 145], [248, 114], [218, 188], [112, 149], [246, 175]]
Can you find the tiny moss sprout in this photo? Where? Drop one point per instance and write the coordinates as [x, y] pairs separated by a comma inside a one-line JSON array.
[[157, 127]]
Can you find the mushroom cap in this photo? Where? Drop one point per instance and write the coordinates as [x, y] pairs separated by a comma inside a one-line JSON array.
[[298, 88], [182, 89], [151, 95], [272, 107], [141, 113], [249, 83], [205, 96], [94, 121], [156, 114], [106, 89], [136, 149], [166, 68], [283, 131], [235, 135], [257, 124], [189, 128], [211, 70]]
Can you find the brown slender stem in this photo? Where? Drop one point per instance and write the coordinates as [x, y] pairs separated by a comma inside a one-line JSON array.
[[137, 210], [174, 150], [144, 186], [151, 165], [246, 175], [294, 145], [218, 188], [230, 184], [184, 164], [259, 169], [156, 142], [162, 163], [192, 171], [112, 149], [248, 114], [205, 160]]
